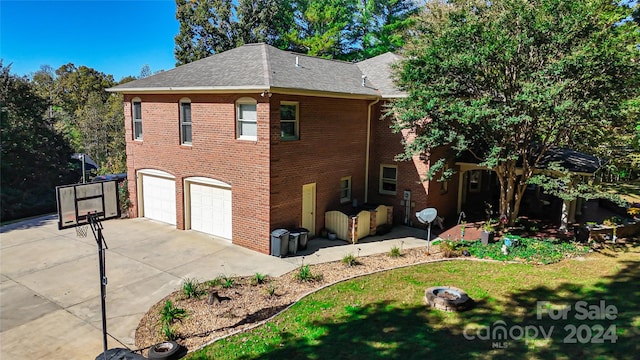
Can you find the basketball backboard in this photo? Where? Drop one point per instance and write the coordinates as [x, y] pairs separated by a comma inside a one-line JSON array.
[[76, 201]]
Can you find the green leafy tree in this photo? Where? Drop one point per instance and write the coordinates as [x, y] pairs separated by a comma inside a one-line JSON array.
[[507, 80], [320, 27], [35, 158], [379, 26]]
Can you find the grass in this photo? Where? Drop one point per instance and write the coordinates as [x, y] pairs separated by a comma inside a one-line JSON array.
[[383, 316]]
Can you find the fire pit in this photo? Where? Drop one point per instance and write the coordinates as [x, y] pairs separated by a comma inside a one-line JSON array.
[[447, 298]]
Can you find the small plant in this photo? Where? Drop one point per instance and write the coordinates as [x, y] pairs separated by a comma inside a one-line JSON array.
[[349, 260], [304, 274], [395, 252], [169, 315], [271, 290], [448, 249], [227, 282], [191, 288], [258, 279], [168, 332], [486, 226], [215, 282]]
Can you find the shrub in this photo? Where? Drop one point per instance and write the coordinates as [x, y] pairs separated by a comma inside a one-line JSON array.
[[544, 251], [449, 249], [395, 252], [169, 315], [191, 288], [271, 289], [349, 260], [304, 274], [258, 279]]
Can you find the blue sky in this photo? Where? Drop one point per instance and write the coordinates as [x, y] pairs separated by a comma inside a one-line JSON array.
[[116, 37]]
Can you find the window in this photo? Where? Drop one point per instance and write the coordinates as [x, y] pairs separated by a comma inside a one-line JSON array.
[[388, 179], [345, 189], [185, 122], [289, 120], [136, 110], [246, 119]]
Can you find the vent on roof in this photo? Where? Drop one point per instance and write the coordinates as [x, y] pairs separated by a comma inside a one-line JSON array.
[[297, 62], [364, 80]]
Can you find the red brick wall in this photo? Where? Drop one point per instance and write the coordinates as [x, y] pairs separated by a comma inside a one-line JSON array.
[[215, 153], [332, 145], [385, 146]]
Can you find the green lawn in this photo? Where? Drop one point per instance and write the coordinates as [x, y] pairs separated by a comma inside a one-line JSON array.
[[383, 316]]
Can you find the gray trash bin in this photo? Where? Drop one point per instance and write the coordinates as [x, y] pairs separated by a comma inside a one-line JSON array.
[[293, 242], [303, 238], [279, 242]]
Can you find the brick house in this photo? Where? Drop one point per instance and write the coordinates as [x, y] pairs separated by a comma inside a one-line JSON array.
[[256, 138]]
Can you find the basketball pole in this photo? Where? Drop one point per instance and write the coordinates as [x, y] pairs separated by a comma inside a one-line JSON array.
[[96, 228]]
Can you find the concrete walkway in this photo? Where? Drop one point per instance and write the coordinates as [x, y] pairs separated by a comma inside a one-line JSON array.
[[50, 290]]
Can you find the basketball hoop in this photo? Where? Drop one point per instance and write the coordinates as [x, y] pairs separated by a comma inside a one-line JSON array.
[[81, 231]]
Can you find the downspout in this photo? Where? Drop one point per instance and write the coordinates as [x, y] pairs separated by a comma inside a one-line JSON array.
[[366, 165]]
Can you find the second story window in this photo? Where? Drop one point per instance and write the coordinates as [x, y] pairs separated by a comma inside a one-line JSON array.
[[289, 120], [185, 122], [136, 110], [246, 119]]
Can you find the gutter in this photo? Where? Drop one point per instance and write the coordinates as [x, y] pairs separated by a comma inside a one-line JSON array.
[[366, 166]]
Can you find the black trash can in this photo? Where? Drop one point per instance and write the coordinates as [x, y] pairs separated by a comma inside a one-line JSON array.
[[303, 238], [279, 242]]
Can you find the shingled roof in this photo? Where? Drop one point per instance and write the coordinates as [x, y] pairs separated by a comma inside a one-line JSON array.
[[259, 67]]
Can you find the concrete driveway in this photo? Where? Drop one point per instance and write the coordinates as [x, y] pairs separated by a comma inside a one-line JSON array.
[[50, 289], [50, 286]]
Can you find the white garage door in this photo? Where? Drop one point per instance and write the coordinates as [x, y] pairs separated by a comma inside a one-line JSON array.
[[159, 199], [211, 210]]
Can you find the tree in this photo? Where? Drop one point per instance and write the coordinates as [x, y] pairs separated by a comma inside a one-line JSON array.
[[212, 26], [145, 71], [35, 158], [507, 80], [320, 27], [342, 29], [379, 26]]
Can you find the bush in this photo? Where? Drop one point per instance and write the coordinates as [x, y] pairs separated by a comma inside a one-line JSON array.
[[191, 288], [540, 251], [395, 252], [169, 315], [258, 279], [304, 274], [449, 249], [349, 260]]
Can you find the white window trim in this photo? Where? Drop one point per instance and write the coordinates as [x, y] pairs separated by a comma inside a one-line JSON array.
[[245, 101], [134, 120], [347, 198], [185, 101], [296, 121], [383, 180]]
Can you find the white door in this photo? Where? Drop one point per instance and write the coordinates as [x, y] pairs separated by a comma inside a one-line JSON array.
[[211, 210], [159, 199]]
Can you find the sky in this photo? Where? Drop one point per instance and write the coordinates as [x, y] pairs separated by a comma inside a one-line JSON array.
[[116, 37]]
